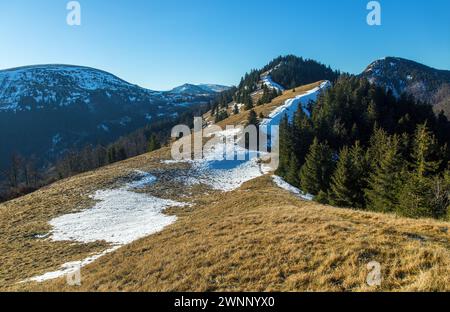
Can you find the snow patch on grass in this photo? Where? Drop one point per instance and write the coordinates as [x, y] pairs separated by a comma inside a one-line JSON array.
[[70, 267], [292, 189], [119, 217], [267, 80], [290, 106]]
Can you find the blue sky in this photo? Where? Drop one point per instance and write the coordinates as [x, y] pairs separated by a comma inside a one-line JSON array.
[[160, 44]]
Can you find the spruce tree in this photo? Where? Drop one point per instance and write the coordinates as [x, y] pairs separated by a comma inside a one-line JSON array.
[[302, 135], [316, 173], [416, 197], [385, 180], [235, 109], [424, 147], [253, 119], [292, 175], [248, 102], [348, 181], [285, 146], [153, 143]]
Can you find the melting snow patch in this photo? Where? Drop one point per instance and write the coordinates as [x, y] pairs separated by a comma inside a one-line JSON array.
[[70, 267], [290, 106], [267, 80], [292, 189], [218, 171], [119, 217]]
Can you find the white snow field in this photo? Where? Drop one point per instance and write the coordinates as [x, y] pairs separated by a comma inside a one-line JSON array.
[[70, 267], [219, 172], [226, 165], [290, 106], [119, 217], [292, 189], [267, 80]]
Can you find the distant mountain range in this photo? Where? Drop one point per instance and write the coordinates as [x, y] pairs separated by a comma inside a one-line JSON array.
[[199, 89], [47, 109], [404, 76]]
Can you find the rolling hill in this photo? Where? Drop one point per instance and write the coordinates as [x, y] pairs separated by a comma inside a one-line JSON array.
[[233, 228], [47, 109], [400, 75]]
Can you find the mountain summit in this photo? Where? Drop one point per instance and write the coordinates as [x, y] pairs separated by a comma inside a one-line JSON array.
[[65, 106], [425, 83], [199, 89]]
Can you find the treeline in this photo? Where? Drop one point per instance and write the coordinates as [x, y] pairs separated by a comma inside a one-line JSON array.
[[363, 148], [268, 95], [220, 105], [289, 71], [26, 174], [292, 71]]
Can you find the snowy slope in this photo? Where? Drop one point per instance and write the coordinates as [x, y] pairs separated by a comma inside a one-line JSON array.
[[78, 106], [120, 217], [218, 171], [199, 89], [406, 76], [291, 189], [290, 106], [267, 80], [45, 83], [214, 87]]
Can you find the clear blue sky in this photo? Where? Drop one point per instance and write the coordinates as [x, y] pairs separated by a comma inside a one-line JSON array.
[[159, 44]]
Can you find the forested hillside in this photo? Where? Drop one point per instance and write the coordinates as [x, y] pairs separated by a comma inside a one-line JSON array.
[[260, 86], [364, 148]]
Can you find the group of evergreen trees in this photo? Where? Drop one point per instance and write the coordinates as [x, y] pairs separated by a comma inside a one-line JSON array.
[[220, 105], [363, 148], [268, 95], [291, 71]]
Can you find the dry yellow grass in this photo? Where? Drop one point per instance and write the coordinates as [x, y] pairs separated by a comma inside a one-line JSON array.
[[261, 238], [256, 238]]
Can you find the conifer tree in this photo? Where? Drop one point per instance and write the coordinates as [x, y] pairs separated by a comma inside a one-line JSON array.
[[424, 147], [235, 109], [253, 119], [416, 197], [153, 143], [248, 102], [385, 181], [285, 146], [292, 175], [316, 173], [348, 181], [303, 135]]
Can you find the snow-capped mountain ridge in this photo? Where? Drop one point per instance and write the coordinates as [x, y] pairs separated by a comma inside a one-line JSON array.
[[63, 85], [78, 105], [406, 76], [188, 88]]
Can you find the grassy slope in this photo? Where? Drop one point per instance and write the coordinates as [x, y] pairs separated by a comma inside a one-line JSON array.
[[255, 238]]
